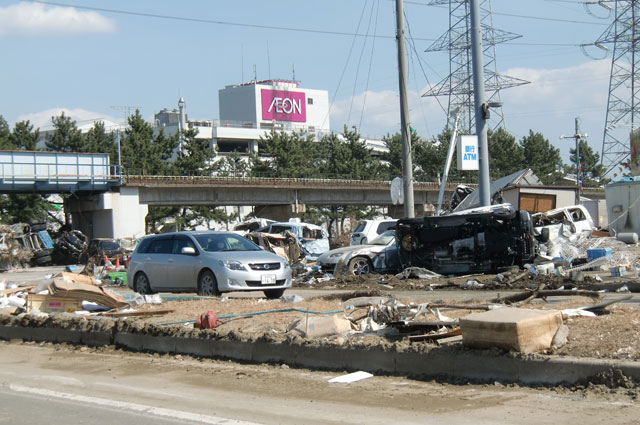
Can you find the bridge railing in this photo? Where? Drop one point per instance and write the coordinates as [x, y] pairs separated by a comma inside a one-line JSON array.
[[56, 168]]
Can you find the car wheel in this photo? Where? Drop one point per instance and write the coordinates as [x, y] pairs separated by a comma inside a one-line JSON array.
[[207, 284], [360, 265], [273, 294], [141, 284]]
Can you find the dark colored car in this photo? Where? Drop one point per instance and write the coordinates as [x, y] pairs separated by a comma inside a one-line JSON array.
[[478, 241], [103, 246]]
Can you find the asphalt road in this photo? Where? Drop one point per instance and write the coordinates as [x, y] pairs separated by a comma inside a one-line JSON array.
[[49, 384]]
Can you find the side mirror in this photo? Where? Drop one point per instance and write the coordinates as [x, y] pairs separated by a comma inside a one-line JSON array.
[[187, 250]]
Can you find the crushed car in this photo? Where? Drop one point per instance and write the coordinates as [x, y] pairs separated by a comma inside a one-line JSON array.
[[480, 240], [563, 221], [313, 239], [559, 229], [379, 255]]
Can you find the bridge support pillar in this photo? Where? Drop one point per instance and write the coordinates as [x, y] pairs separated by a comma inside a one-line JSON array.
[[109, 215], [280, 212]]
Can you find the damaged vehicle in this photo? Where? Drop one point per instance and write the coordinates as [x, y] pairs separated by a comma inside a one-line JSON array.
[[481, 240], [380, 255], [563, 221], [556, 227], [367, 230], [313, 239]]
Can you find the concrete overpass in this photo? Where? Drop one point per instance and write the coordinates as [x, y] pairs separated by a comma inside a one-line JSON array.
[[279, 196]]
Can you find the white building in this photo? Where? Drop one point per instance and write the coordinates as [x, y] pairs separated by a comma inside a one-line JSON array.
[[251, 110]]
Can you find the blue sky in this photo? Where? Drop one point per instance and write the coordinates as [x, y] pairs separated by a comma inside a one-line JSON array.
[[87, 61]]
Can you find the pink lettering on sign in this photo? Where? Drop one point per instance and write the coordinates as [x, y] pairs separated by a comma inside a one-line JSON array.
[[281, 105]]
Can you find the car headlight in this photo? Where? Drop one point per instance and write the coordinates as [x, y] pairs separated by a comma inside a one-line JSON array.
[[335, 255], [233, 265], [285, 265]]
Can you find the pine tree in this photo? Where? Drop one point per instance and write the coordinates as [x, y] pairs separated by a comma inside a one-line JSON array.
[[506, 156], [4, 134], [97, 140], [66, 137], [23, 136], [542, 157], [146, 153], [195, 156]]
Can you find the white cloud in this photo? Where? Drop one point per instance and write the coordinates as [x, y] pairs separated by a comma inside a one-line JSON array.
[[548, 105], [382, 113], [42, 119], [34, 19]]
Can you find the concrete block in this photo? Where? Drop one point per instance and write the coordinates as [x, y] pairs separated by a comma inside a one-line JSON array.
[[517, 329], [318, 327]]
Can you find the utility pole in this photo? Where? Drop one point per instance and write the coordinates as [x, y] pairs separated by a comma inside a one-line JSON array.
[[407, 166], [577, 136], [481, 108]]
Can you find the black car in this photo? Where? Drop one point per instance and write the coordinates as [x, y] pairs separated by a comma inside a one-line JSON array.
[[105, 247], [478, 241]]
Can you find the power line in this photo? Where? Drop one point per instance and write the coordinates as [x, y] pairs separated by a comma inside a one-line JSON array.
[[278, 28], [538, 18], [215, 22]]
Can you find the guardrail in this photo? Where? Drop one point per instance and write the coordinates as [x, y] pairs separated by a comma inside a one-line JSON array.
[[23, 170]]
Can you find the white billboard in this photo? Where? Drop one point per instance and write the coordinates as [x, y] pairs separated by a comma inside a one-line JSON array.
[[467, 147]]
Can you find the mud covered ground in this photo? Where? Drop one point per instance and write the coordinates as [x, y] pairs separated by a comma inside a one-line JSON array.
[[615, 335]]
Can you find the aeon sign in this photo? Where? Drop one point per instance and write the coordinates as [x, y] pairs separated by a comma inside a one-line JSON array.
[[283, 105]]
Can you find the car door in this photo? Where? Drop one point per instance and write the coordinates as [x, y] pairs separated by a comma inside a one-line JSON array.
[[156, 260], [182, 269]]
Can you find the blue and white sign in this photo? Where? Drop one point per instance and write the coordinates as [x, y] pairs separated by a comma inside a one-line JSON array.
[[467, 147]]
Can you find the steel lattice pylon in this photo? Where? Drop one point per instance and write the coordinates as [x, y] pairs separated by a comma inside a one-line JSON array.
[[623, 103], [458, 85]]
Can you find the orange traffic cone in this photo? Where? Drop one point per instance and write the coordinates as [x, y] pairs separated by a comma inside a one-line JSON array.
[[117, 262]]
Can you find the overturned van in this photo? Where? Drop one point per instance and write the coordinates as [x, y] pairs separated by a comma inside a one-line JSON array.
[[481, 240]]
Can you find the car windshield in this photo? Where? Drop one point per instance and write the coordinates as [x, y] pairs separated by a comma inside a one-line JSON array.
[[217, 242], [361, 226], [384, 238], [109, 245]]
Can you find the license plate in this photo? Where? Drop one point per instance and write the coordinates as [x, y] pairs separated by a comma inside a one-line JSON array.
[[268, 279]]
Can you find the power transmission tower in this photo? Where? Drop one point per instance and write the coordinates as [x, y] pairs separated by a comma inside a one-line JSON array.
[[126, 110], [458, 84], [623, 105]]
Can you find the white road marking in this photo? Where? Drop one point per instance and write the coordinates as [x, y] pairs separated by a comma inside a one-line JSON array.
[[141, 408]]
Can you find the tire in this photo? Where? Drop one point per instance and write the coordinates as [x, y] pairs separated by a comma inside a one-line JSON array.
[[273, 294], [41, 261], [207, 284], [142, 285], [544, 235], [360, 265]]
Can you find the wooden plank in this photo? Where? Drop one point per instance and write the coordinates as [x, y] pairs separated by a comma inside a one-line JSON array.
[[139, 313], [14, 290]]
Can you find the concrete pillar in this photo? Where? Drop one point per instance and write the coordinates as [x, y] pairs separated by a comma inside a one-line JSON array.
[[109, 215]]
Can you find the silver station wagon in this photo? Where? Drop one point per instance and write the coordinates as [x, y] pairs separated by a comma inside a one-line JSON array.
[[206, 262]]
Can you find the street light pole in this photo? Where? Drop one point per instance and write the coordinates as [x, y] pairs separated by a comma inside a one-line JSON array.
[[481, 108], [407, 165]]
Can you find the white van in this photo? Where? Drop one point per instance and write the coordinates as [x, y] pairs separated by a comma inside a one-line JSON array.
[[367, 230]]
